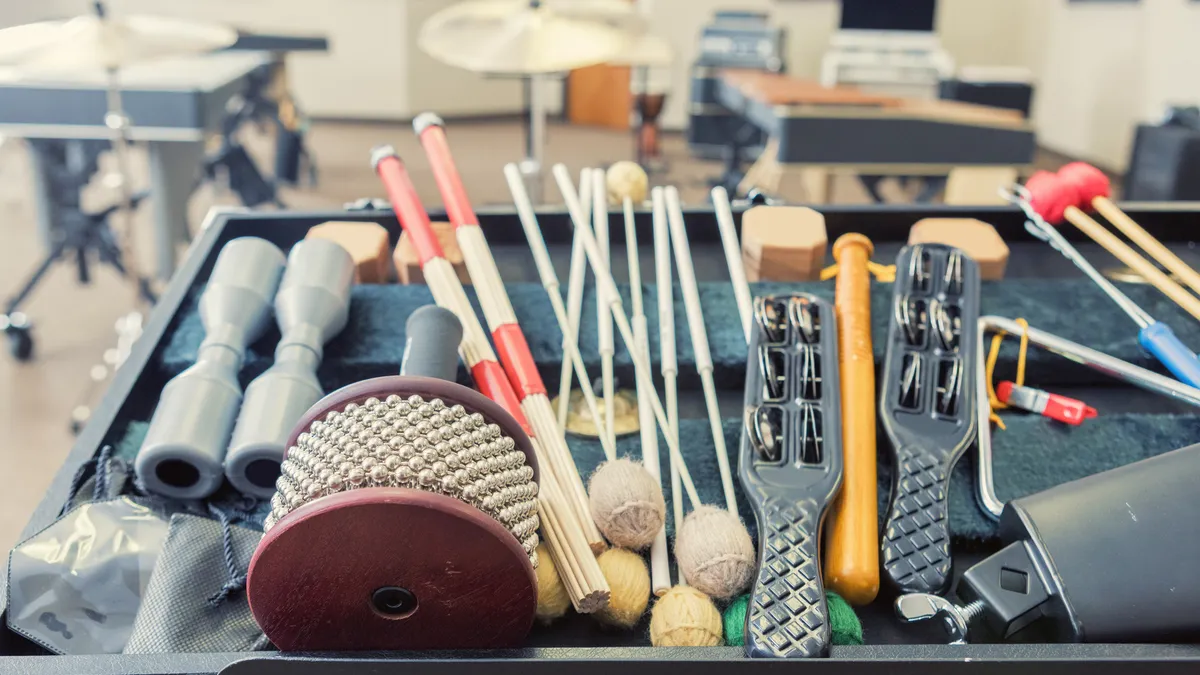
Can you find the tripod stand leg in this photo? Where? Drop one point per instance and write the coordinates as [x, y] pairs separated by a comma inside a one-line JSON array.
[[23, 294]]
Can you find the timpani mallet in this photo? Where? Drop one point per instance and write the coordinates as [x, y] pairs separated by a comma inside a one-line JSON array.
[[1094, 191], [1055, 199], [666, 338], [660, 567], [570, 330], [1154, 336]]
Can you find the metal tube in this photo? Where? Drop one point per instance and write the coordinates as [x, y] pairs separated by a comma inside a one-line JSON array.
[[1109, 365]]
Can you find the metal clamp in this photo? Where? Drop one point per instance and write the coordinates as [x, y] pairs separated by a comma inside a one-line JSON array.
[[1122, 370]]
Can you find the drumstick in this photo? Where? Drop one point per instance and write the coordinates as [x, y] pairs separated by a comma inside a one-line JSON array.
[[641, 366], [851, 565], [704, 365], [575, 282], [564, 535], [502, 321], [604, 325], [660, 571], [666, 340], [1095, 191], [733, 257]]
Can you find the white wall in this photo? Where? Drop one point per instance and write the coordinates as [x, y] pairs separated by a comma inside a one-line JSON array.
[[1100, 68], [1089, 59]]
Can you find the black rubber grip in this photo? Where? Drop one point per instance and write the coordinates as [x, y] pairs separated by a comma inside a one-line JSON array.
[[433, 335], [916, 540], [787, 616]]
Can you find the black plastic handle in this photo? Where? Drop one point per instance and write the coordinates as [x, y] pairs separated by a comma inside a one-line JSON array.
[[916, 539], [787, 616]]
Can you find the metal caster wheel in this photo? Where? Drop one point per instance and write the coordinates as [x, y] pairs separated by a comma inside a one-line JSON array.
[[16, 328]]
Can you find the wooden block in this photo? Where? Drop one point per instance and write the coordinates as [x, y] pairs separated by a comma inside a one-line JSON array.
[[978, 185], [783, 243], [974, 237], [408, 265], [367, 244]]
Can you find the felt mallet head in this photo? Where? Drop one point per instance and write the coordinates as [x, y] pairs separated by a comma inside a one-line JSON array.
[[1088, 181], [1050, 196]]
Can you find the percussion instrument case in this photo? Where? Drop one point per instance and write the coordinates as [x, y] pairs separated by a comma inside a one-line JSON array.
[[1033, 454]]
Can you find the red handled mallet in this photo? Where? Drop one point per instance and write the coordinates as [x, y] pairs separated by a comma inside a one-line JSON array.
[[506, 332], [564, 533]]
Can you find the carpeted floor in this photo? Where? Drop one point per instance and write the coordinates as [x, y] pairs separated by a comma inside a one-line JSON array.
[[74, 324]]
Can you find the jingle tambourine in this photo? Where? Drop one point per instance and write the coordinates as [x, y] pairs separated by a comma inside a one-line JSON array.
[[405, 516]]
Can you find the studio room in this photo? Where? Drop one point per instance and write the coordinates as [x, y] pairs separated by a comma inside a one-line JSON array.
[[461, 336]]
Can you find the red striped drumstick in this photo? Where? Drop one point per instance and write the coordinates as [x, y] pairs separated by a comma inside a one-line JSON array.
[[564, 536], [506, 333]]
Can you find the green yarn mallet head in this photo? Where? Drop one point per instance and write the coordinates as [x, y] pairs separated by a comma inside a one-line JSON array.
[[843, 622]]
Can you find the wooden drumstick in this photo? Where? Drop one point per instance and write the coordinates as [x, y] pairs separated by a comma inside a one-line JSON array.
[[1094, 191], [851, 565]]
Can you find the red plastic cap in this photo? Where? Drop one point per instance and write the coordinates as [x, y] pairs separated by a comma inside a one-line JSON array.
[[1087, 180], [1004, 391], [1050, 196]]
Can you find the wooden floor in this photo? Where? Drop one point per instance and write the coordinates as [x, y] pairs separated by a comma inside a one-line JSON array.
[[74, 324]]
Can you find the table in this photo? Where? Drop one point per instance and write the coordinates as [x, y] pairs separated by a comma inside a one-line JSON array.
[[173, 104], [844, 128]]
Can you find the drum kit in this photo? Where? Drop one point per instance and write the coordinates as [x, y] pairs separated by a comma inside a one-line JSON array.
[[99, 41], [534, 39]]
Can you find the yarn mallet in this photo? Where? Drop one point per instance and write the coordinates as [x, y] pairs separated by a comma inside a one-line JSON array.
[[844, 625], [625, 500], [717, 540], [626, 180], [630, 582], [312, 306], [685, 617], [1044, 199], [387, 484], [713, 548], [1056, 199], [183, 453], [564, 530], [659, 564]]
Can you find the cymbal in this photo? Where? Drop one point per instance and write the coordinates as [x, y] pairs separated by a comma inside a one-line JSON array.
[[91, 42], [523, 37], [646, 49]]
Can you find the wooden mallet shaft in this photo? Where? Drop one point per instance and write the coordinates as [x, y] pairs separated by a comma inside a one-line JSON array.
[[1095, 192]]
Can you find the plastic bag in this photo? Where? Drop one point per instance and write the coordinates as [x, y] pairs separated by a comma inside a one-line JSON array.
[[76, 586]]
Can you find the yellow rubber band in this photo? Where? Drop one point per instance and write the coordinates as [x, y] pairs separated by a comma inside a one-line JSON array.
[[994, 401]]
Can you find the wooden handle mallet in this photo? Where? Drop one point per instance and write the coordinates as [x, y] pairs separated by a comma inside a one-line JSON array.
[[1094, 192], [851, 565], [1054, 200]]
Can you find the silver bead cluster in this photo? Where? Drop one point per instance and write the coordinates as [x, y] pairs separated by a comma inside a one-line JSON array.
[[412, 443]]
